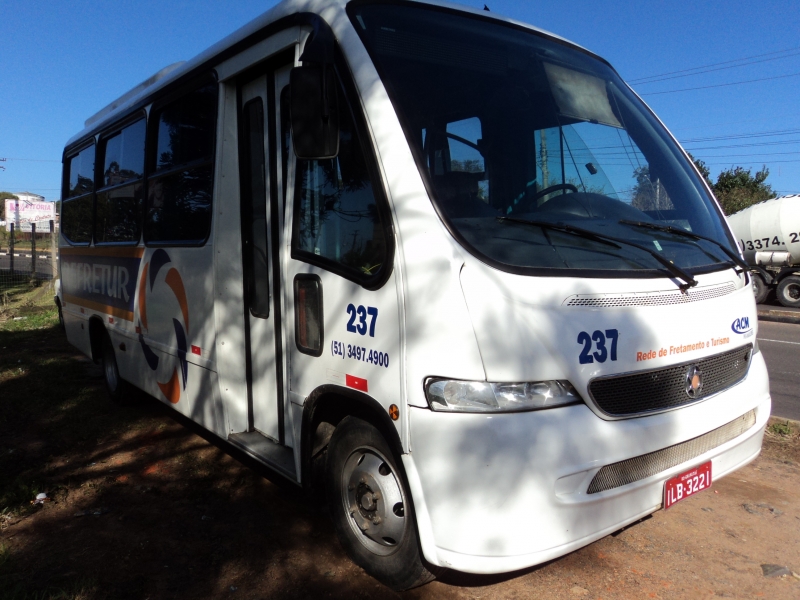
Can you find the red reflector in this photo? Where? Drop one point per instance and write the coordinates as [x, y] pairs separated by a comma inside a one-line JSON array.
[[110, 319], [196, 350], [356, 383]]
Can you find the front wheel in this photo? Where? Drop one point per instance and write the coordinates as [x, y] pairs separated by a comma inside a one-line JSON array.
[[760, 289], [788, 291], [370, 506]]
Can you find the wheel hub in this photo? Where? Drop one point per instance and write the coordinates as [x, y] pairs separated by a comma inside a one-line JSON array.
[[373, 498]]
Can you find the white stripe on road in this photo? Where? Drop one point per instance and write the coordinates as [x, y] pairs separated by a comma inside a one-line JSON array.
[[778, 341]]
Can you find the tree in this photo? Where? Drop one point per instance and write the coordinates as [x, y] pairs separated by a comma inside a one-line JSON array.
[[3, 197], [704, 170], [737, 188]]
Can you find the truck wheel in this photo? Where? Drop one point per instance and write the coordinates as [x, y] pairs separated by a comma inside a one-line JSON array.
[[61, 323], [788, 291], [119, 391], [370, 506], [760, 289]]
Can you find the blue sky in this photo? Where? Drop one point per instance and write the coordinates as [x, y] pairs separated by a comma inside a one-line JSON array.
[[60, 63]]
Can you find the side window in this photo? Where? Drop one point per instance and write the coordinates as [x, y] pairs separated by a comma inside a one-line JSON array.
[[180, 185], [76, 209], [336, 219], [119, 202]]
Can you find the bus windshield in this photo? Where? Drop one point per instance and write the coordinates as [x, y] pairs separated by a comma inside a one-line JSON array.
[[508, 125]]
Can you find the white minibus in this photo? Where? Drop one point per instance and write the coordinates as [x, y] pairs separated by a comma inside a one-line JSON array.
[[441, 265]]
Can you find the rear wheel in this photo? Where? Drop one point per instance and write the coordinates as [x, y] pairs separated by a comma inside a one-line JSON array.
[[60, 316], [788, 291], [370, 506], [760, 289], [119, 390]]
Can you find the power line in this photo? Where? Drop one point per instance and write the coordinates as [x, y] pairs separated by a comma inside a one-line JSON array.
[[33, 159], [727, 62], [755, 134], [716, 69], [753, 145], [705, 87]]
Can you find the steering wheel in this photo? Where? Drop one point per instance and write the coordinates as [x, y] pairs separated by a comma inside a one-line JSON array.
[[554, 188]]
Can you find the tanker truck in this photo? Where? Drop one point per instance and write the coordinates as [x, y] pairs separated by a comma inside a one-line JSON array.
[[768, 234]]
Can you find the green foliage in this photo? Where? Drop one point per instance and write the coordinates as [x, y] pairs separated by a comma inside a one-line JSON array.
[[781, 428], [737, 188], [704, 170]]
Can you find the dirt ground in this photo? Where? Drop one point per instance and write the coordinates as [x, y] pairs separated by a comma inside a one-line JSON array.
[[145, 505]]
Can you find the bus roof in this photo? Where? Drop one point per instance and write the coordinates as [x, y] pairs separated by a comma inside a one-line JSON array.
[[332, 11]]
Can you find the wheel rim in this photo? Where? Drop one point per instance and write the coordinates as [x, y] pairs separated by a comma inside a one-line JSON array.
[[373, 501], [110, 368], [792, 291]]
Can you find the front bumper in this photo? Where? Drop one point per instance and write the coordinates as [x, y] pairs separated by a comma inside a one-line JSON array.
[[496, 493]]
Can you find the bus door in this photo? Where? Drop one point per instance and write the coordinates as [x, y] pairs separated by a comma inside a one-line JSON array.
[[262, 210]]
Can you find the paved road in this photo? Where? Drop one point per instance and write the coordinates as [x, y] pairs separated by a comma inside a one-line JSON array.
[[780, 344], [24, 264]]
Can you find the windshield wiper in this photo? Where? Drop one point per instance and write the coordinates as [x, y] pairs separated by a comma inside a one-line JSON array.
[[682, 232], [685, 276]]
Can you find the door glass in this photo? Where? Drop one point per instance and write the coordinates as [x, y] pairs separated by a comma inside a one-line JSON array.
[[336, 219], [254, 203]]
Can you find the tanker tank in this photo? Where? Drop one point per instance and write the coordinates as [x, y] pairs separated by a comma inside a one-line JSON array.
[[768, 234]]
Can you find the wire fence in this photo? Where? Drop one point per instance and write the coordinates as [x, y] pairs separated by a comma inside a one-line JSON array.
[[27, 258]]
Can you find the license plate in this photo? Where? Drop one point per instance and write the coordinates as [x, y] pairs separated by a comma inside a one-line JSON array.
[[687, 484]]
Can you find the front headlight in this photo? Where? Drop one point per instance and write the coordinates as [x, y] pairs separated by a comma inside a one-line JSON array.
[[479, 396]]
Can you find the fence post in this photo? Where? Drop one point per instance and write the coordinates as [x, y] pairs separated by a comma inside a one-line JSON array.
[[33, 251], [53, 245], [11, 250]]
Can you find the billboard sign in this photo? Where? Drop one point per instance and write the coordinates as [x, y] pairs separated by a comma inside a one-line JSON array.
[[24, 212]]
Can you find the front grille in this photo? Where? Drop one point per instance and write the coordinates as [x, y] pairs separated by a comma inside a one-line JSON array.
[[652, 298], [641, 467], [662, 389]]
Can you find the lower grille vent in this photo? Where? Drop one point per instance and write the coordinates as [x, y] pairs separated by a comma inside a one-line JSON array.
[[641, 467]]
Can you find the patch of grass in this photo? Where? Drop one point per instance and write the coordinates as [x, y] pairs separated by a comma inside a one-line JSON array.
[[24, 307], [782, 429]]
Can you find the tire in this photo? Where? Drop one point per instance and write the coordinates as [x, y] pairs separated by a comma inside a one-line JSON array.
[[371, 508], [119, 391], [61, 323], [760, 288], [788, 291]]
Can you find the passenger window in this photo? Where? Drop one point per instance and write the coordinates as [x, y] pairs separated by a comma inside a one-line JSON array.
[[336, 217], [76, 210], [179, 194], [81, 172], [119, 202]]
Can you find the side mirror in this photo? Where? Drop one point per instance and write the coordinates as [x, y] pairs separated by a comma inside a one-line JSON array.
[[314, 112]]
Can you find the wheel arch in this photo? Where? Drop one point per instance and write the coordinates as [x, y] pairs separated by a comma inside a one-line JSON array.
[[323, 410], [97, 330], [784, 273]]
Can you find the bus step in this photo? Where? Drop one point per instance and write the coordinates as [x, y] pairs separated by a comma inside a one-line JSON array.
[[264, 450]]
